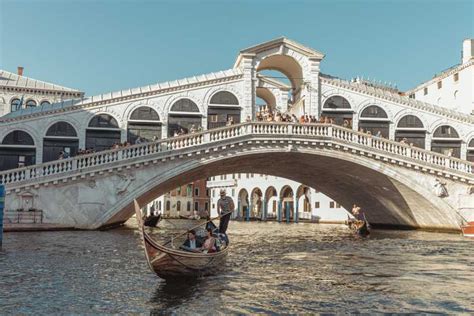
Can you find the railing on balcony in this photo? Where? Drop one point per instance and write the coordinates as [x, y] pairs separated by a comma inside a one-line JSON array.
[[326, 131]]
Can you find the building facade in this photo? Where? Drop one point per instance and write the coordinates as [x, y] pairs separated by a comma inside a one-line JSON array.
[[264, 197]]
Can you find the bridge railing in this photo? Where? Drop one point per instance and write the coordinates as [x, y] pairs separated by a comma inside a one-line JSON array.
[[328, 131]]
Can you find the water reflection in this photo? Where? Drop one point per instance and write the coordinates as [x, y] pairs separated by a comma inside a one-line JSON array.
[[272, 268]]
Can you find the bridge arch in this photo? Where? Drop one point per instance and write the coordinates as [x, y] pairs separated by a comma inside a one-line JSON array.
[[388, 196], [268, 96]]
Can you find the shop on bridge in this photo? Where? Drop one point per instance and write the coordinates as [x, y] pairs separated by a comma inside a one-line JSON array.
[[144, 123], [446, 141], [339, 110], [184, 117], [60, 137], [17, 150], [102, 133], [222, 107], [374, 119], [411, 128], [470, 151]]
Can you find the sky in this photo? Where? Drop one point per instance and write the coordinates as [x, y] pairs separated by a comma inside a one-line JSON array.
[[108, 45]]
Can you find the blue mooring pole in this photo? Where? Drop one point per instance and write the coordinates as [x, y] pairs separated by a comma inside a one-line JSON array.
[[2, 205]]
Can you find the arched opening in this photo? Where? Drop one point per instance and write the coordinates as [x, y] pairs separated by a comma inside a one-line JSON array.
[[266, 100], [412, 130], [15, 105], [304, 205], [60, 137], [470, 151], [17, 150], [45, 102], [271, 203], [374, 120], [242, 204], [184, 117], [102, 133], [290, 69], [338, 111], [287, 200], [222, 109], [143, 125], [256, 203], [30, 104], [446, 141]]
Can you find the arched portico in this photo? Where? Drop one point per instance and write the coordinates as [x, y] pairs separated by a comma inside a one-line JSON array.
[[256, 204], [243, 204]]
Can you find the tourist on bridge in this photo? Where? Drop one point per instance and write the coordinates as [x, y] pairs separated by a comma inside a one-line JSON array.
[[225, 207]]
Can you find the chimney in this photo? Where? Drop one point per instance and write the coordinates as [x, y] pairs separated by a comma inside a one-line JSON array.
[[467, 50], [20, 71]]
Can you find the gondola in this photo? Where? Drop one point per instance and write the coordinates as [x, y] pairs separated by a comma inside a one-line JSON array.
[[152, 220], [171, 263], [359, 227]]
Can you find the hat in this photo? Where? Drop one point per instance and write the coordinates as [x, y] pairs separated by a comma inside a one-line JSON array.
[[222, 191]]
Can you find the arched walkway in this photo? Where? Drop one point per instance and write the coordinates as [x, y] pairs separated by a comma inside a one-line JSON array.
[[243, 204], [184, 117], [373, 119], [256, 204], [270, 203], [287, 204], [303, 203], [223, 108]]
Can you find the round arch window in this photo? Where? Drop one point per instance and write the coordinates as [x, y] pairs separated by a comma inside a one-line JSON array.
[[30, 104], [15, 105], [45, 102]]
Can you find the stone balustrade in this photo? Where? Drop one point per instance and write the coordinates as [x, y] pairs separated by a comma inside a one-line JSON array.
[[327, 132]]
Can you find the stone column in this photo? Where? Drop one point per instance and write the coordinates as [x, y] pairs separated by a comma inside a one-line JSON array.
[[248, 86], [264, 209], [463, 150], [279, 211], [287, 212], [428, 141], [295, 219]]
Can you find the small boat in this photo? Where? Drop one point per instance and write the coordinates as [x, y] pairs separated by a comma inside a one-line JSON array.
[[468, 229], [152, 220], [360, 227], [171, 263]]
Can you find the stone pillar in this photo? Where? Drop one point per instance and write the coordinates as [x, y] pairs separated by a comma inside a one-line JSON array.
[[279, 211], [249, 209], [264, 209], [312, 97], [391, 131], [238, 208], [295, 219], [287, 212], [463, 150], [428, 141], [248, 86]]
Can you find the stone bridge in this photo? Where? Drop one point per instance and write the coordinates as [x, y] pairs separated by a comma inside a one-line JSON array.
[[397, 185]]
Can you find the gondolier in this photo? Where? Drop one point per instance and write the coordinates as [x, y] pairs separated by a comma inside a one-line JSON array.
[[225, 207]]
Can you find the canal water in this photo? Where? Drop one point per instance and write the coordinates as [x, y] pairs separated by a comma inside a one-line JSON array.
[[272, 268]]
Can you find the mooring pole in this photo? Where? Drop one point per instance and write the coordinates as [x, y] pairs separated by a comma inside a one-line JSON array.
[[2, 205]]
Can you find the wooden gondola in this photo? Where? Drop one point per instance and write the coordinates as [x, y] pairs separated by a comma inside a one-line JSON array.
[[359, 227], [169, 263], [152, 220]]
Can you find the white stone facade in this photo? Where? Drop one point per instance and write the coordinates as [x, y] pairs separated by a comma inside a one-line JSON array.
[[261, 194], [454, 87]]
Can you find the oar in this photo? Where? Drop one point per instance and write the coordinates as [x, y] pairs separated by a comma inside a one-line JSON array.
[[210, 220]]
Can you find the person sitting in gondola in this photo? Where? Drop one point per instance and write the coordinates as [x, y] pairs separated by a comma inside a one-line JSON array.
[[359, 216], [192, 243], [210, 242]]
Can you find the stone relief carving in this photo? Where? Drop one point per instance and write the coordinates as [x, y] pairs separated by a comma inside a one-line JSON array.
[[440, 188], [91, 184], [125, 180]]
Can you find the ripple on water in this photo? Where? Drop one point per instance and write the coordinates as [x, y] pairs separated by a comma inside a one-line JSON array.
[[272, 268]]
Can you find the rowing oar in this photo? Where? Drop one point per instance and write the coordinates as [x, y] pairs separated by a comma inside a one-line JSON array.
[[210, 220]]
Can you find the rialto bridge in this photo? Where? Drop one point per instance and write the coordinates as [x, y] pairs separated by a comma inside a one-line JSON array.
[[425, 185]]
